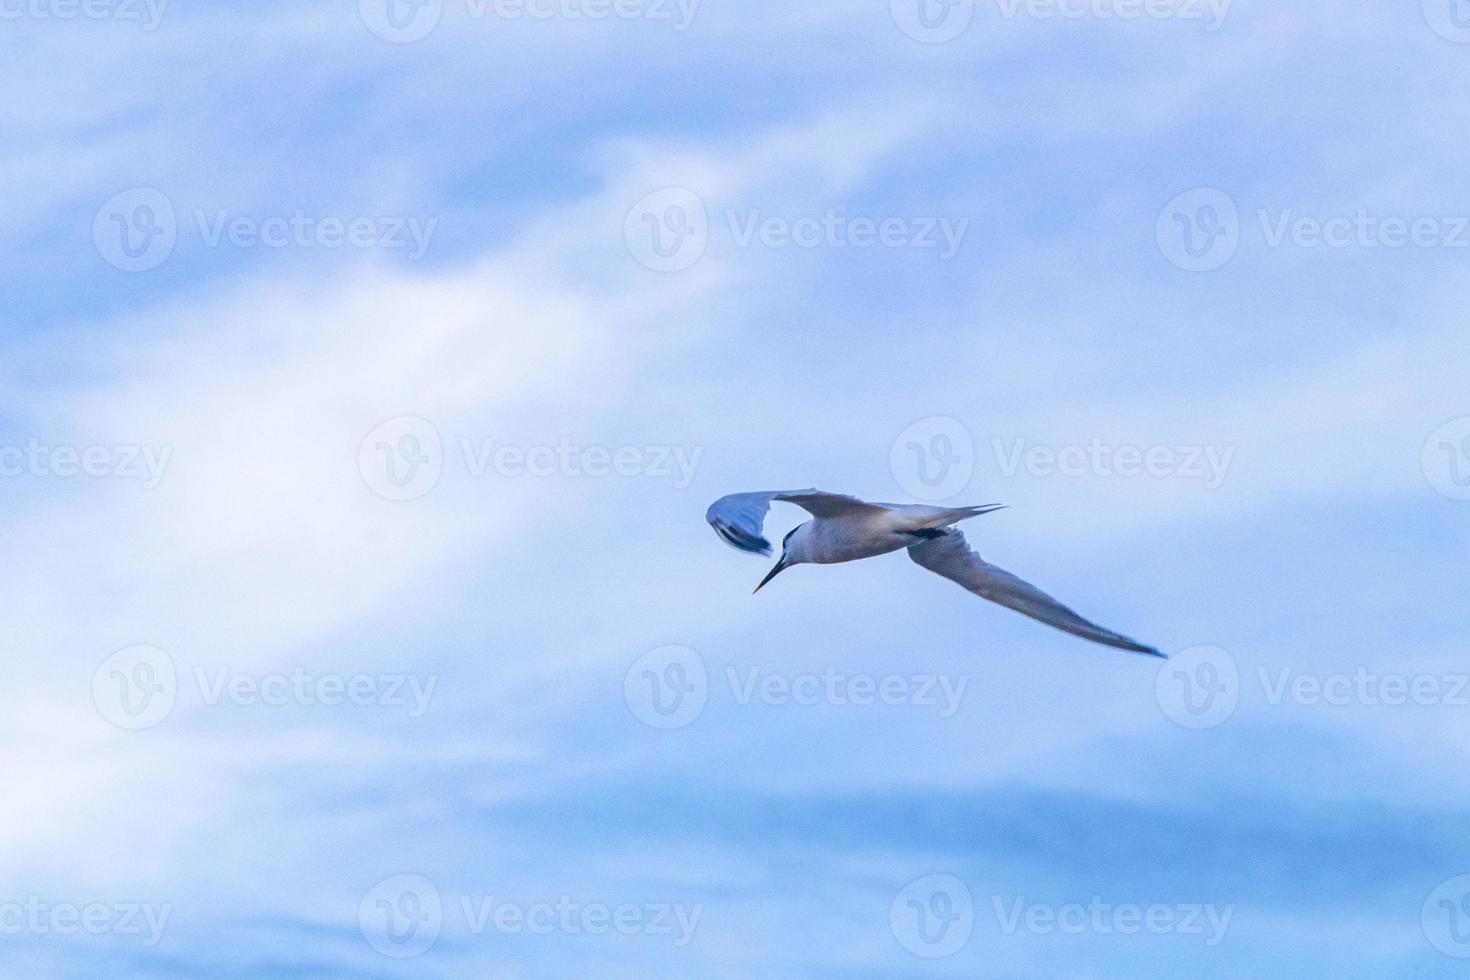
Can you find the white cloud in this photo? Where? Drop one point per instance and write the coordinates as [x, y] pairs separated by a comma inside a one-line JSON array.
[[263, 542]]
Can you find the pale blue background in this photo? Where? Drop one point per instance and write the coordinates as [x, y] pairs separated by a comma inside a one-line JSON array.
[[1062, 320]]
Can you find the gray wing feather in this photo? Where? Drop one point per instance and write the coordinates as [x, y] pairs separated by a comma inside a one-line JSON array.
[[949, 555], [740, 517]]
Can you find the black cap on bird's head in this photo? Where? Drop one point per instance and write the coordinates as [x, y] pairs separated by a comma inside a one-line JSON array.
[[783, 562]]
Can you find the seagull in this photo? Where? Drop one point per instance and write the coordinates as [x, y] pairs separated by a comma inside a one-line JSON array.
[[846, 529]]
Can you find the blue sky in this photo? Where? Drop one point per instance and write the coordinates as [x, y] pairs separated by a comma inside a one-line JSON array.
[[356, 435]]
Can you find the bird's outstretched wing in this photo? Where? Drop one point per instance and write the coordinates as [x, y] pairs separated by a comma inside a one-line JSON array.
[[949, 555], [739, 518]]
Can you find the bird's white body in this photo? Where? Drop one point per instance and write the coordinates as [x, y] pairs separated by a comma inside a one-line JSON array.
[[865, 532], [845, 529]]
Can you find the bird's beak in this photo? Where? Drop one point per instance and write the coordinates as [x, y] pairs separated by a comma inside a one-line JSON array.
[[780, 567]]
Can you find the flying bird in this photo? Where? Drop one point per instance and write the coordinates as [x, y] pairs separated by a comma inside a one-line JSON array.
[[845, 529]]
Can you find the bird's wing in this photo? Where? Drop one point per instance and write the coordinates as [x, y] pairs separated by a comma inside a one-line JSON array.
[[739, 517], [820, 504], [949, 555]]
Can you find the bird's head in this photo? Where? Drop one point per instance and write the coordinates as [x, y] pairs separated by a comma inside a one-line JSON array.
[[795, 550]]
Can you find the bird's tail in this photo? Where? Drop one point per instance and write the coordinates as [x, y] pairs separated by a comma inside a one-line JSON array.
[[953, 515]]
